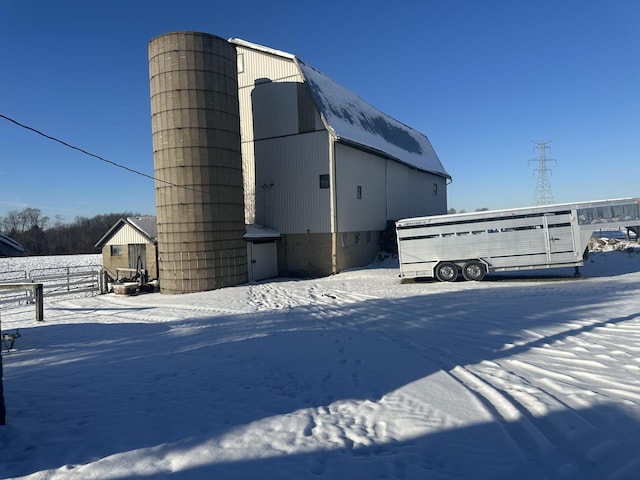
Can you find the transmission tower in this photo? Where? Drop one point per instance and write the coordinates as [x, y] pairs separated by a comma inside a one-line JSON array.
[[543, 193]]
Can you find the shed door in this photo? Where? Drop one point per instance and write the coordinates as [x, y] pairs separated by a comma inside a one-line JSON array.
[[263, 260], [138, 256]]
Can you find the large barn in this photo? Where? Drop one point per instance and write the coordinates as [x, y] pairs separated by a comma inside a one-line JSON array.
[[245, 135], [324, 168]]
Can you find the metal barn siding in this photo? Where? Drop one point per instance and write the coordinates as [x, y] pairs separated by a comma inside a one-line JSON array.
[[127, 235], [256, 66], [197, 160], [260, 64], [397, 190], [360, 173], [288, 194], [424, 198], [274, 108], [411, 192]]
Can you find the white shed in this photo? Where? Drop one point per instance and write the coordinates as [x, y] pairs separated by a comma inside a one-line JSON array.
[[131, 246]]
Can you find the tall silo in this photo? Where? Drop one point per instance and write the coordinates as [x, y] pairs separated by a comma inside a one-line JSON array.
[[197, 162]]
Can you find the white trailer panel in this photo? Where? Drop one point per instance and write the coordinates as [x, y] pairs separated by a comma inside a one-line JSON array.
[[546, 236]]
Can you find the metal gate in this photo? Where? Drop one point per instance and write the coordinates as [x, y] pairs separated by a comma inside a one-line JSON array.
[[86, 280]]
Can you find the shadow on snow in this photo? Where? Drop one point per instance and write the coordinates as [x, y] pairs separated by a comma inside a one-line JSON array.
[[181, 383]]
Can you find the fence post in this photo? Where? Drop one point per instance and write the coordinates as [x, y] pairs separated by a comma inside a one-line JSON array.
[[38, 290], [3, 410]]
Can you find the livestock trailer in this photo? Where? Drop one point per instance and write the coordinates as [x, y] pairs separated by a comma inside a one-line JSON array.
[[545, 236]]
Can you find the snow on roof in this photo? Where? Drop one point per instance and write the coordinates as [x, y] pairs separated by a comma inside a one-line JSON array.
[[147, 225], [254, 231], [261, 48], [354, 120]]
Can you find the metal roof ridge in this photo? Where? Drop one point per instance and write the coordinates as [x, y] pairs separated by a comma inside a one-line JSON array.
[[262, 48]]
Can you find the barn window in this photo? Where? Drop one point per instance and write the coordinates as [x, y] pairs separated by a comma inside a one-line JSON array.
[[435, 188], [324, 181], [116, 250], [240, 63], [359, 192]]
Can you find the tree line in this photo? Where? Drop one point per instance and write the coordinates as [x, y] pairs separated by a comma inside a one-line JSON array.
[[481, 209], [40, 235]]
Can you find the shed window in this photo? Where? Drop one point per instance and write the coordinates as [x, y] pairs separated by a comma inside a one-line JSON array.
[[359, 192], [435, 188], [116, 250], [324, 181]]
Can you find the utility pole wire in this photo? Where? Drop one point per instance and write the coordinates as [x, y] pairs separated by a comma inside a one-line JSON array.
[[95, 156]]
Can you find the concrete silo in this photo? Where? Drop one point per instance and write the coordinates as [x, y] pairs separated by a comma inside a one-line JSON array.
[[197, 162]]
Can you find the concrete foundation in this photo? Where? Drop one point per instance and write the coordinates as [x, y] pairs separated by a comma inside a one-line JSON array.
[[309, 254]]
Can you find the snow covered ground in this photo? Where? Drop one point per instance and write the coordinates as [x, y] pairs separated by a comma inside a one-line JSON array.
[[354, 376]]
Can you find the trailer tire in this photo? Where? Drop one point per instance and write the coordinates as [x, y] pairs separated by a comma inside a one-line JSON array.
[[474, 271], [447, 272]]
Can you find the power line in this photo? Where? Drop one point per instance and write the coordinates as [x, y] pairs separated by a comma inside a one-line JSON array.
[[96, 156]]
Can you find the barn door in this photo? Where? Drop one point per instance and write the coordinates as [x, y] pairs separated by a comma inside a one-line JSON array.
[[138, 256]]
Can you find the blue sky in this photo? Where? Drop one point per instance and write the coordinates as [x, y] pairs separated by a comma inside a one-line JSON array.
[[482, 79]]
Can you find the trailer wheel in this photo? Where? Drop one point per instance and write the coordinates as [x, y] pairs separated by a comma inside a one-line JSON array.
[[447, 272], [474, 271]]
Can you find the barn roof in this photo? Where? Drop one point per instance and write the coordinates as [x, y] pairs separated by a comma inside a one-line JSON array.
[[354, 121], [147, 226], [9, 247]]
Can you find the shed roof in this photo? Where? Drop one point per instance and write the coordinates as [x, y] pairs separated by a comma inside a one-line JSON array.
[[259, 232], [354, 121], [9, 247], [147, 226]]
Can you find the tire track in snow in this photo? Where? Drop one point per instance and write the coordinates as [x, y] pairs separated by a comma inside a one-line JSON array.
[[557, 406], [540, 407], [550, 432]]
